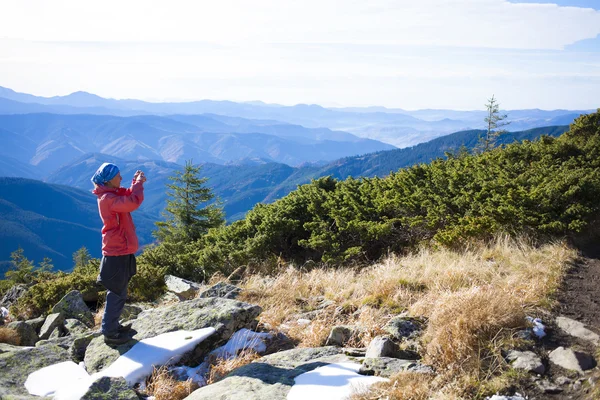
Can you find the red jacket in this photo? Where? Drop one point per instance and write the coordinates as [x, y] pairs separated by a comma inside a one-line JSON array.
[[118, 230]]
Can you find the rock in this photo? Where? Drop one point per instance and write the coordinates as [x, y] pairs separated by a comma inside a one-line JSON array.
[[36, 323], [221, 289], [26, 332], [384, 366], [577, 329], [572, 360], [517, 396], [270, 377], [130, 311], [75, 344], [99, 356], [73, 306], [382, 346], [107, 388], [52, 322], [341, 334], [548, 387], [563, 380], [354, 352], [226, 316], [5, 347], [526, 360], [12, 295], [183, 288], [401, 327], [22, 363], [75, 326]]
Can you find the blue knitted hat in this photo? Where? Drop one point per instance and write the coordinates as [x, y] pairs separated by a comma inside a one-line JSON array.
[[105, 173]]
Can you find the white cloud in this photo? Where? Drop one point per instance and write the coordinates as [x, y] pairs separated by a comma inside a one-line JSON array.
[[464, 23], [397, 53]]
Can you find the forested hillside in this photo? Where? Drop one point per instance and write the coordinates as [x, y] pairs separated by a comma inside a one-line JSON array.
[[547, 188], [51, 221]]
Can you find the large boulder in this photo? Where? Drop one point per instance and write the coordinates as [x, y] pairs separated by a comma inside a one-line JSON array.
[[73, 306], [183, 288], [107, 388], [53, 322], [15, 366], [221, 289], [270, 377], [12, 295], [26, 332], [226, 316]]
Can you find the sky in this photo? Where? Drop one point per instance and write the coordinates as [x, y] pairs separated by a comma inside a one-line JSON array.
[[409, 54]]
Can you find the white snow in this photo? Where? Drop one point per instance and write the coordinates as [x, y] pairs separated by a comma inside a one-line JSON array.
[[331, 382], [244, 339], [134, 365], [538, 327], [44, 382]]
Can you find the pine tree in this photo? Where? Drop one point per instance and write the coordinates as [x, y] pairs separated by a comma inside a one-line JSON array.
[[21, 268], [494, 121], [186, 219]]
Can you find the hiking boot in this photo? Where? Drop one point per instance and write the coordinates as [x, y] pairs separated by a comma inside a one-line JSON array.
[[124, 328], [116, 338]]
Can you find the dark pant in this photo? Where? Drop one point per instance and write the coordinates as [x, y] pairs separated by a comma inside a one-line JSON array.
[[115, 273]]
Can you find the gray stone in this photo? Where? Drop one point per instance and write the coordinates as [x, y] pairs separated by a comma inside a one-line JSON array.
[[26, 333], [22, 363], [99, 356], [183, 288], [130, 311], [75, 326], [402, 327], [73, 306], [527, 361], [270, 377], [12, 295], [562, 380], [384, 366], [107, 388], [36, 323], [5, 347], [76, 345], [577, 329], [341, 334], [226, 316], [548, 387], [382, 346], [53, 321], [572, 360], [222, 289]]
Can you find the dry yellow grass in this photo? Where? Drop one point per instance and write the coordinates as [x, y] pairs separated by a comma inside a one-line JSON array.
[[163, 386], [472, 300], [404, 386], [220, 367], [98, 316], [9, 336]]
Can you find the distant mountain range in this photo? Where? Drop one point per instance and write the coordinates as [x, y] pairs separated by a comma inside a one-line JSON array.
[[50, 141], [401, 128], [48, 220], [240, 187]]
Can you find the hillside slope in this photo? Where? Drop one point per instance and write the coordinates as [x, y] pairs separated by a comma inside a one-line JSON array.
[[53, 221]]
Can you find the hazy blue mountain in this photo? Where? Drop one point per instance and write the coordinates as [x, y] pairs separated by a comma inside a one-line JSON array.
[[11, 167], [49, 220], [49, 141], [240, 187], [399, 127]]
